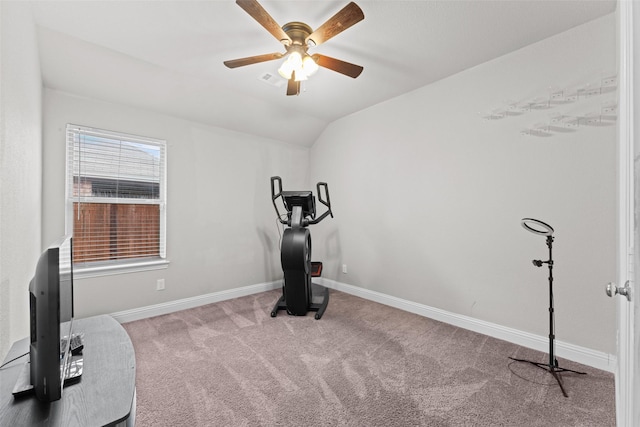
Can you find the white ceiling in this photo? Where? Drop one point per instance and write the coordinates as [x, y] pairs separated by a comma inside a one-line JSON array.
[[167, 56]]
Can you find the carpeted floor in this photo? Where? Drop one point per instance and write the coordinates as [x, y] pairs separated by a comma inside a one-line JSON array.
[[362, 364]]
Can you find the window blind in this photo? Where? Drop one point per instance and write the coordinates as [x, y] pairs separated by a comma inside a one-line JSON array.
[[116, 196]]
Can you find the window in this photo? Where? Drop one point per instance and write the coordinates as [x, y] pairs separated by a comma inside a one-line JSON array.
[[116, 199]]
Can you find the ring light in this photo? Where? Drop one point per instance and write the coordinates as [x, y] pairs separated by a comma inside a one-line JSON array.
[[528, 223]]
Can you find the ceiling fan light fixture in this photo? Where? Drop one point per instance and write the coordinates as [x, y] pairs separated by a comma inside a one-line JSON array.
[[309, 66], [285, 69], [303, 67], [300, 77], [292, 63]]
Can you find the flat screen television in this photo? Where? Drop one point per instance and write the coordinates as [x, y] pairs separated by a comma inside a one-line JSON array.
[[51, 318]]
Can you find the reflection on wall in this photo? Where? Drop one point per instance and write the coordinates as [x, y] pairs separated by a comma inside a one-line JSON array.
[[568, 110]]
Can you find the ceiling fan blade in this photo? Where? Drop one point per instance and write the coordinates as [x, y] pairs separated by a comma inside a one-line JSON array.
[[293, 87], [342, 67], [241, 62], [349, 15], [257, 12]]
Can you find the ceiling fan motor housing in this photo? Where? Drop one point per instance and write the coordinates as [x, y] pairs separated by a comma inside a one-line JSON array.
[[297, 32]]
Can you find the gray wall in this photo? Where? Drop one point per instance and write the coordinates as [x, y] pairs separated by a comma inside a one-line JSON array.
[[20, 168], [428, 196], [221, 229]]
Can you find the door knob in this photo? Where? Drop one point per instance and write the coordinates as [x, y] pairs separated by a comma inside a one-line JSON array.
[[611, 289]]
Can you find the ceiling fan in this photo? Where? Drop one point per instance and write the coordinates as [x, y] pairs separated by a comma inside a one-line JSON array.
[[297, 38]]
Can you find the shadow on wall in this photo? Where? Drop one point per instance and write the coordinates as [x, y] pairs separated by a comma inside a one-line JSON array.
[[272, 268], [5, 319], [332, 252]]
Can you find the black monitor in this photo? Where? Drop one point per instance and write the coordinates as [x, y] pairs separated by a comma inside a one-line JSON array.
[[51, 315], [304, 199]]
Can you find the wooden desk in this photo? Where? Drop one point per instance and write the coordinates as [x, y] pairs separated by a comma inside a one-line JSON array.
[[104, 396]]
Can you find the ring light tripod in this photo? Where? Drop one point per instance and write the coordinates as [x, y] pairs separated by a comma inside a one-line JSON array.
[[540, 228]]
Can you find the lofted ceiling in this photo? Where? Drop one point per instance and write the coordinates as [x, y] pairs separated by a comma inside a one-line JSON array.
[[167, 56]]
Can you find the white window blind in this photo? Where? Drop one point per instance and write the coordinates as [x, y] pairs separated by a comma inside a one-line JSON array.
[[116, 196]]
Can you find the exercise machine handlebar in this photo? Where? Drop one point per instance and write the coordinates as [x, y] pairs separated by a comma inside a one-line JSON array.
[[326, 201], [275, 195]]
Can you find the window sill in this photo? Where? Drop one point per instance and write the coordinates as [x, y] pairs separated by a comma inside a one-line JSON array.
[[121, 268]]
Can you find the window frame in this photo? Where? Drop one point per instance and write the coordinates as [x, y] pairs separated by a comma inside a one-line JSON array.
[[117, 266]]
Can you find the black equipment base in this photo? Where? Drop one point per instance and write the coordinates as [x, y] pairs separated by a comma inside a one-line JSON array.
[[318, 301], [554, 370]]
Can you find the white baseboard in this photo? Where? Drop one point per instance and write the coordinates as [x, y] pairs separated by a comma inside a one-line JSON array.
[[585, 356], [186, 303]]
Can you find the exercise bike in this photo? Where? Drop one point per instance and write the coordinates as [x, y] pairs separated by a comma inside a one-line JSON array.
[[299, 294]]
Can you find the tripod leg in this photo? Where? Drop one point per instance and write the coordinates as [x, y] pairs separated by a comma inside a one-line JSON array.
[[554, 370], [558, 369], [559, 380]]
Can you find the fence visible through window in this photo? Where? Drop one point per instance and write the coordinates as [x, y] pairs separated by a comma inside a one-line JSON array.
[[115, 196], [103, 231]]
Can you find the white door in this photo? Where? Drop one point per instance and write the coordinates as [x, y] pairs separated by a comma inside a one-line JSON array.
[[628, 372], [634, 316]]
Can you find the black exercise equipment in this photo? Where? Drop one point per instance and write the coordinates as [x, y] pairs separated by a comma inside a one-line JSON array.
[[543, 229], [299, 294]]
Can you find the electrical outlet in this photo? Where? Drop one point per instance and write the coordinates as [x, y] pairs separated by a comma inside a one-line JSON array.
[[160, 285], [344, 268]]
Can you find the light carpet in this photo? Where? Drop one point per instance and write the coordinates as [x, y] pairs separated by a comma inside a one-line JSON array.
[[362, 364]]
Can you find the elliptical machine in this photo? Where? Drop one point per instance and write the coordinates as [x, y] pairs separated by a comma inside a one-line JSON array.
[[299, 294]]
